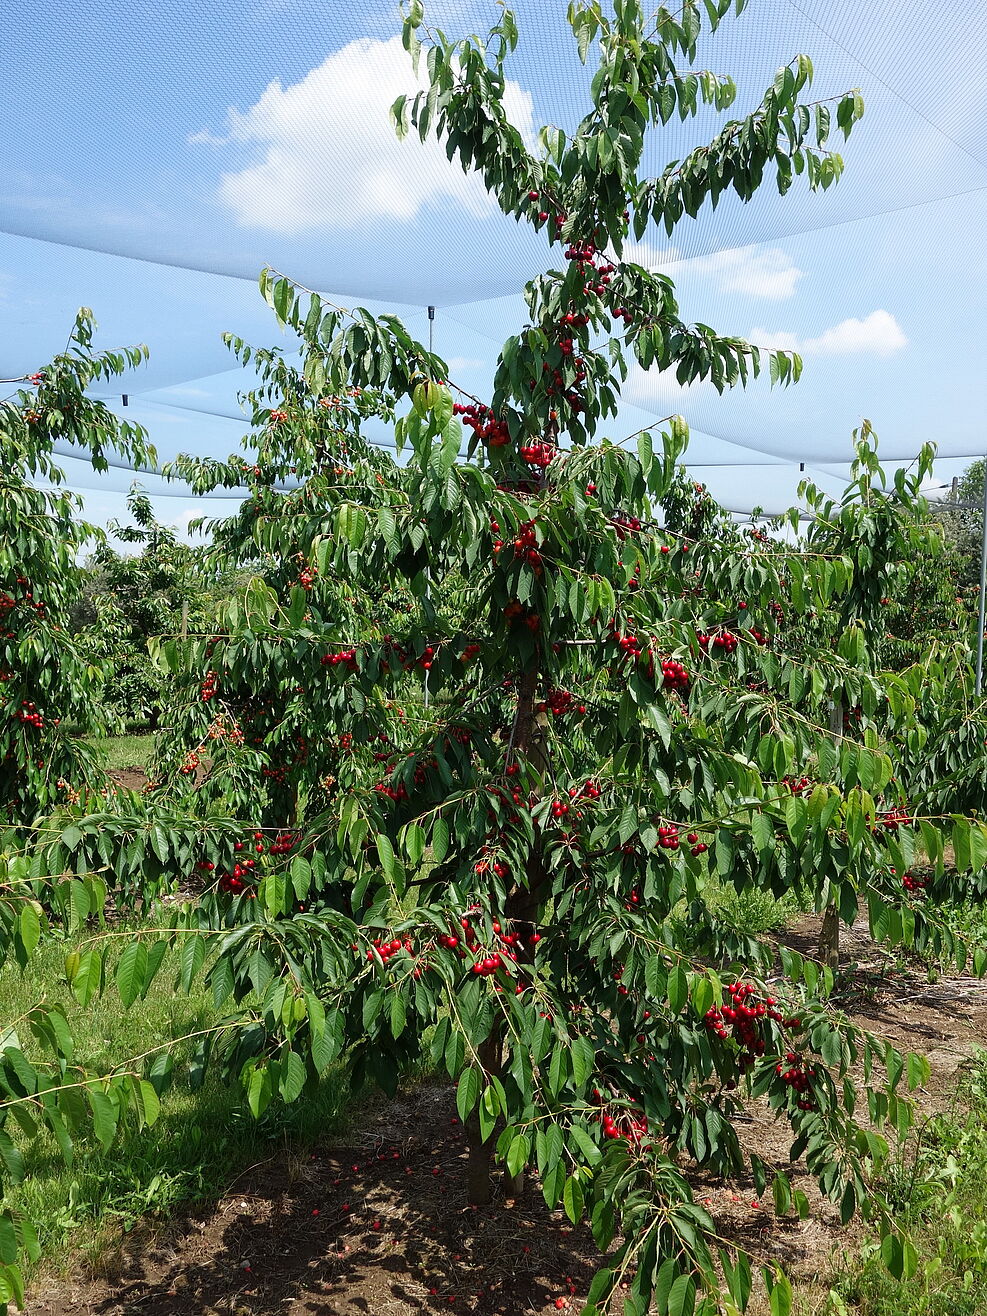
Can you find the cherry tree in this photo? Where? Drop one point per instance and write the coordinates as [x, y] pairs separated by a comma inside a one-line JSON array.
[[459, 764], [46, 680]]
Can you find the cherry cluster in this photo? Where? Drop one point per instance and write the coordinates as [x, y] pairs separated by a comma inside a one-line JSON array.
[[892, 819], [913, 882], [797, 785], [798, 1077], [624, 525], [629, 1124], [495, 866], [276, 417], [741, 1019], [29, 715], [698, 847], [589, 791], [629, 643], [559, 702], [233, 885], [668, 837], [484, 424], [525, 545], [539, 455], [345, 656], [283, 843], [395, 793], [517, 612], [724, 641], [222, 728], [8, 602], [307, 577], [557, 383], [386, 949], [208, 688], [585, 254], [674, 675]]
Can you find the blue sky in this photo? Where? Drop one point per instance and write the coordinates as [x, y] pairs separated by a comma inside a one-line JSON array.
[[155, 157]]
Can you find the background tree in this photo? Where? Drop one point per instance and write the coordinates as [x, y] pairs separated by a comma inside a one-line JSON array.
[[49, 689], [964, 524], [126, 598]]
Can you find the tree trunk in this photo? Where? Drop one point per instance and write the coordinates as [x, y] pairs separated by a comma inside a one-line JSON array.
[[829, 933], [523, 902], [829, 939], [478, 1182]]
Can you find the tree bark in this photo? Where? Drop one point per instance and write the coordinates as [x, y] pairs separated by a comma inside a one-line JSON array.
[[523, 901], [478, 1181], [829, 939], [829, 933]]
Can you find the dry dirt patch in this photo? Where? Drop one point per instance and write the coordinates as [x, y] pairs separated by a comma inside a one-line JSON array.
[[380, 1223]]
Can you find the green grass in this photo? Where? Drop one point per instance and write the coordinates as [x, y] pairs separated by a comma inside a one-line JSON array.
[[751, 913], [937, 1193], [201, 1141], [125, 751]]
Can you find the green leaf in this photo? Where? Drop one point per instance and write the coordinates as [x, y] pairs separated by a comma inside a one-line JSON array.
[[29, 927], [892, 1254], [781, 1297], [572, 1199], [678, 989], [87, 979], [583, 1060], [259, 1090], [132, 972], [468, 1091], [104, 1116], [293, 1076], [11, 1157], [146, 1102], [517, 1154], [763, 832]]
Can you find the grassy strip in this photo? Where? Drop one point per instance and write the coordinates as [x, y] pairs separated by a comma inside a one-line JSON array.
[[125, 751], [200, 1142], [937, 1192]]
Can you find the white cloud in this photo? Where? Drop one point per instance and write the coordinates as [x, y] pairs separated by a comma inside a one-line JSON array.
[[187, 391], [328, 156], [751, 271], [459, 363], [651, 257], [650, 386], [781, 341], [181, 522], [878, 334]]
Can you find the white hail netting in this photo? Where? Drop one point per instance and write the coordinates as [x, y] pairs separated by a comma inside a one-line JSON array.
[[155, 157]]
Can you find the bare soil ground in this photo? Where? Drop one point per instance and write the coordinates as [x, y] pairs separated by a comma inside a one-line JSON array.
[[131, 779], [380, 1223]]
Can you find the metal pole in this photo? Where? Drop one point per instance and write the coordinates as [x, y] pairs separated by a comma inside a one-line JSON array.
[[983, 588], [431, 323]]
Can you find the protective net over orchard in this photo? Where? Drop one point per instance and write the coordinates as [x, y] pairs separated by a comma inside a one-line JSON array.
[[151, 171]]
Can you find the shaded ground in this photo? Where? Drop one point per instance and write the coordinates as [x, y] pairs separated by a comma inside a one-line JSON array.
[[131, 779], [381, 1225]]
